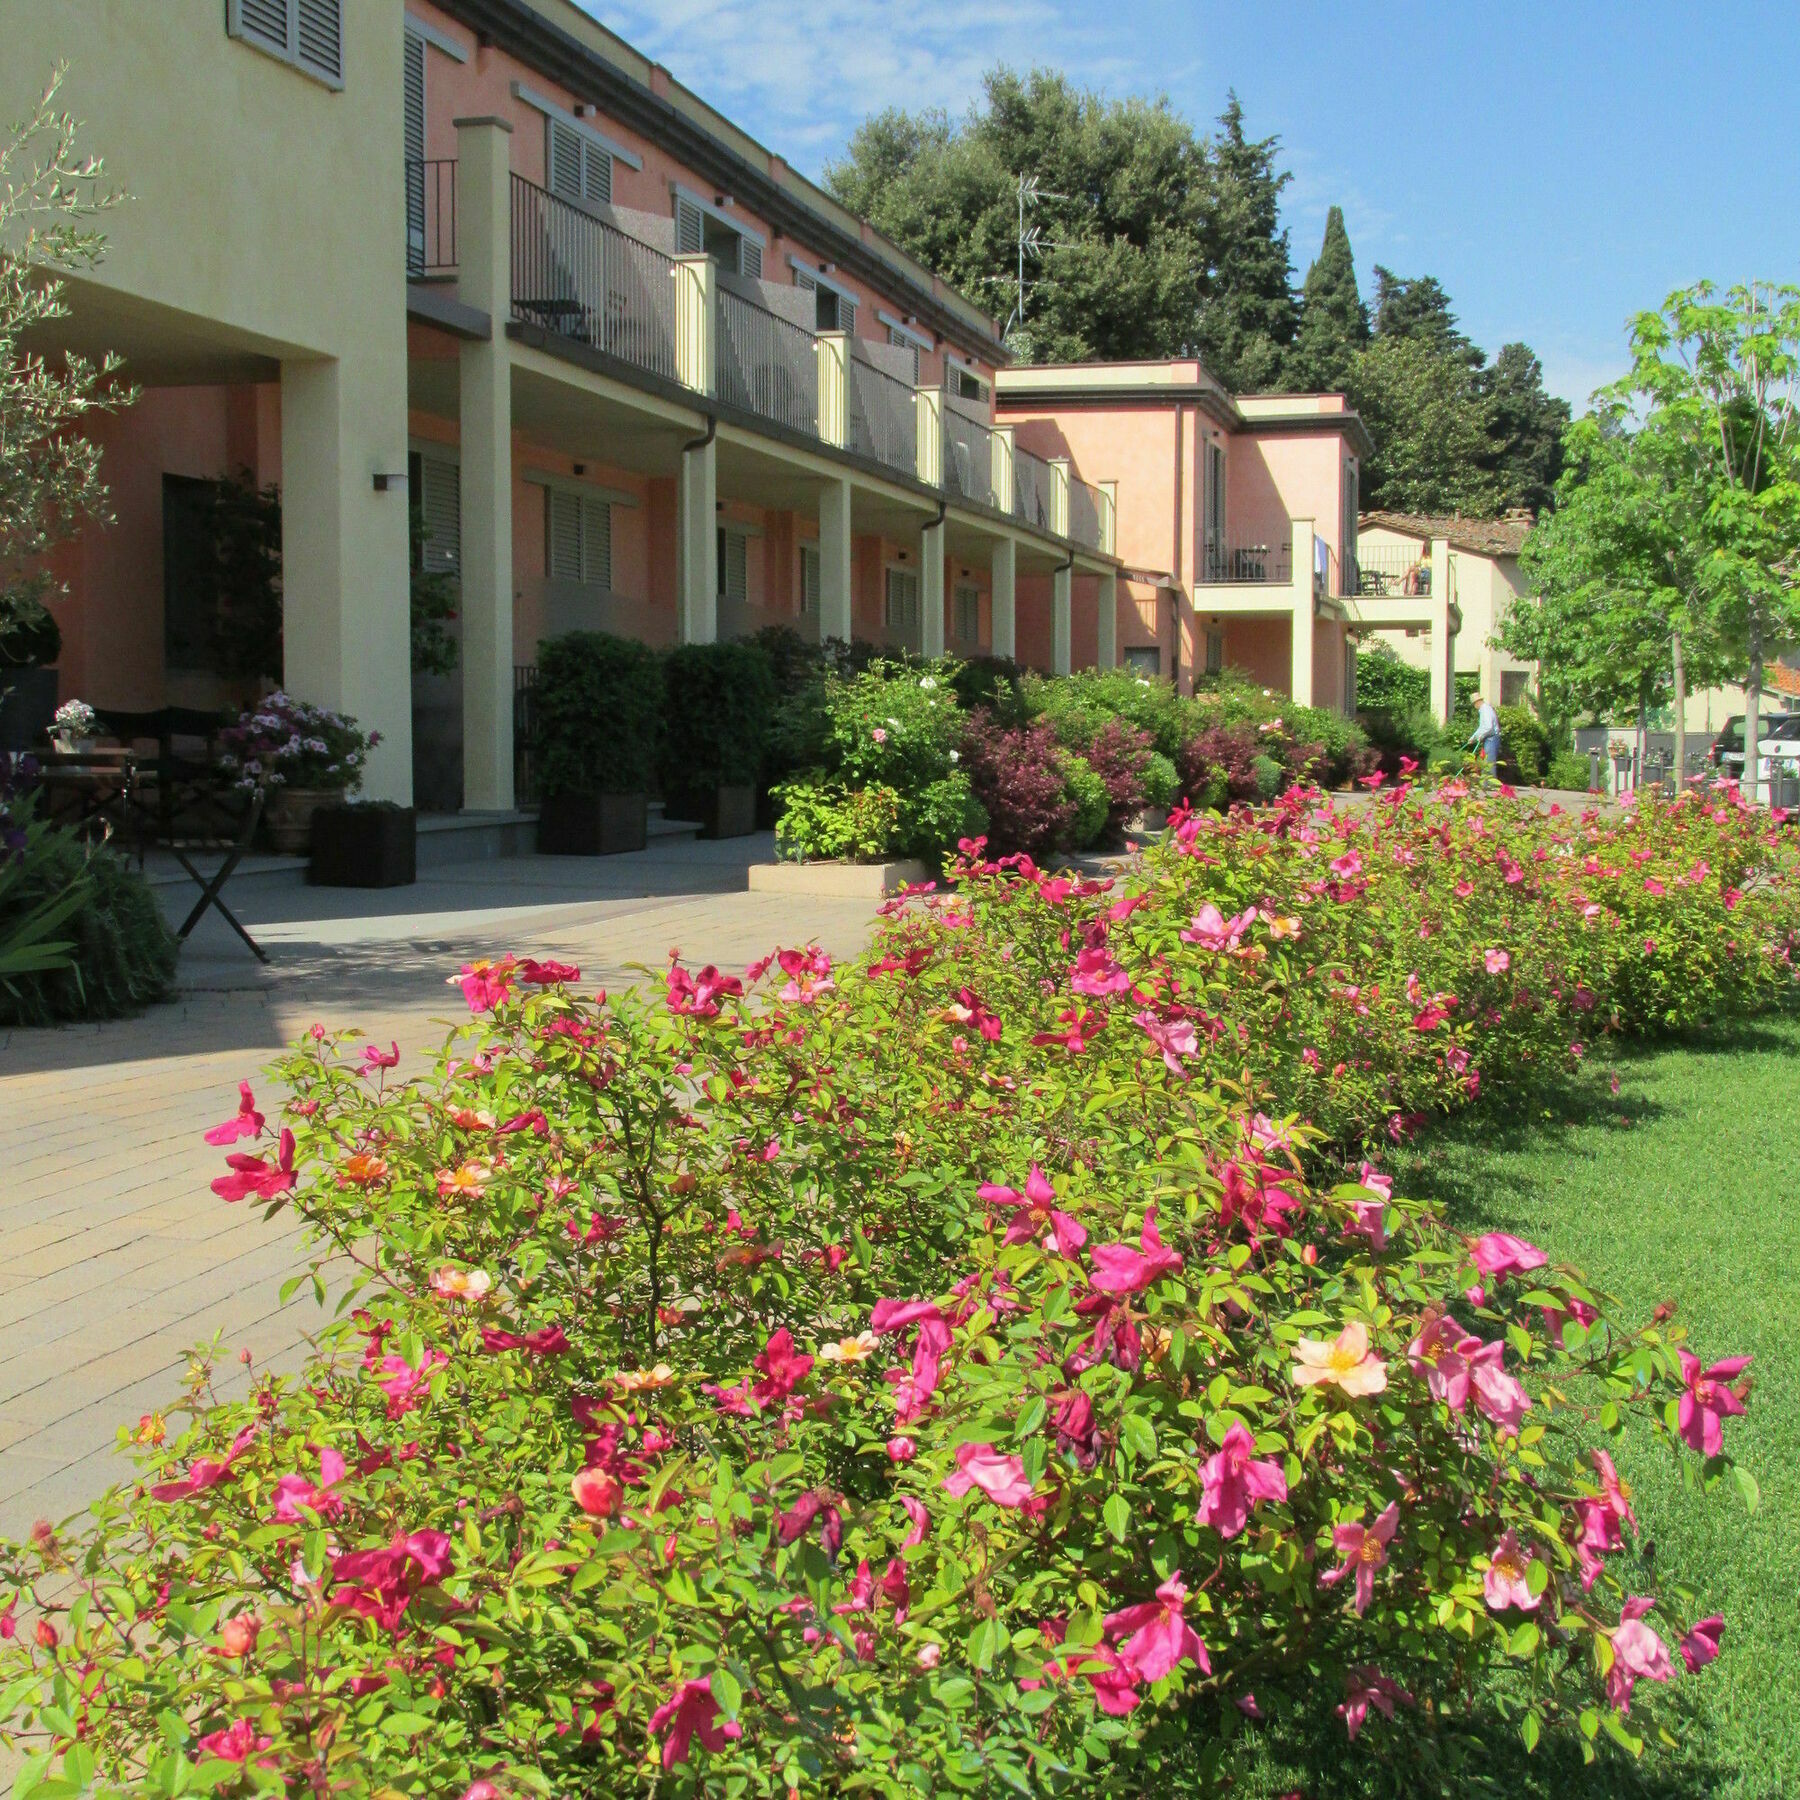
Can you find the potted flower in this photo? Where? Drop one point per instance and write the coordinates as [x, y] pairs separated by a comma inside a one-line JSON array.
[[302, 756], [365, 843], [72, 725], [718, 708], [598, 709], [30, 643]]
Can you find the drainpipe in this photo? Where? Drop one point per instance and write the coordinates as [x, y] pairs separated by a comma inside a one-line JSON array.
[[700, 443]]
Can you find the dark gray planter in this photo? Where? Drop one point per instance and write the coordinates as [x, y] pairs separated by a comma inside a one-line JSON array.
[[725, 812], [365, 847], [27, 705], [593, 824]]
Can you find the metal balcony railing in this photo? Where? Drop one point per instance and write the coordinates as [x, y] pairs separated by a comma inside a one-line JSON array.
[[430, 217], [583, 279], [1380, 570], [767, 364], [1032, 479], [884, 414], [1084, 513], [1264, 564], [968, 459]]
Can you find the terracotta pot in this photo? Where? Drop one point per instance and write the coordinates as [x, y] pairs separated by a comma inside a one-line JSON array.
[[288, 817]]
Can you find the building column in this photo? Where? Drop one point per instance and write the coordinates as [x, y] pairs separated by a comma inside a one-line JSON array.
[[1062, 622], [484, 236], [834, 387], [1107, 653], [834, 562], [697, 541], [1300, 666], [931, 590], [1443, 640], [1003, 634]]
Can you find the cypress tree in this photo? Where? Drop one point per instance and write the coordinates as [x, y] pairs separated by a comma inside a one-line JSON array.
[[1334, 322]]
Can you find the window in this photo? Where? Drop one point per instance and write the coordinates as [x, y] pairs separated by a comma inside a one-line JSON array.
[[578, 531], [965, 384], [434, 491], [1144, 659], [1515, 684], [307, 33], [734, 565], [965, 614], [701, 231], [1215, 652], [579, 168], [900, 609], [809, 581], [901, 341], [833, 309]]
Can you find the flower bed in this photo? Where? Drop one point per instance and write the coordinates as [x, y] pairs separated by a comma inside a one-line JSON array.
[[968, 1368]]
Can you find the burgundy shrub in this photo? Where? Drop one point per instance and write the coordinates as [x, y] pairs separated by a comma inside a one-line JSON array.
[[1017, 776], [1218, 766], [1119, 755]]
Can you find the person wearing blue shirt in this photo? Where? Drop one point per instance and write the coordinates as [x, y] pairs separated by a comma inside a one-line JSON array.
[[1485, 738]]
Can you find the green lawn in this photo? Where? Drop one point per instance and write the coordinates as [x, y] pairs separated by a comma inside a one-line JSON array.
[[1684, 1187]]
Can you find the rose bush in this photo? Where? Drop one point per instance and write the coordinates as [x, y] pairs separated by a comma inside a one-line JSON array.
[[992, 1364]]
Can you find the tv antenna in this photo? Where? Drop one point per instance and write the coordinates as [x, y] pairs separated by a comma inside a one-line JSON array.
[[1031, 242]]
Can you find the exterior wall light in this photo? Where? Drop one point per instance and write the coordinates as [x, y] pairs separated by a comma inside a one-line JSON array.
[[389, 478]]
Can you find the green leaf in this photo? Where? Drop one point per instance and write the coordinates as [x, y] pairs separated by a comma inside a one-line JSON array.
[[1747, 1487], [1117, 1514]]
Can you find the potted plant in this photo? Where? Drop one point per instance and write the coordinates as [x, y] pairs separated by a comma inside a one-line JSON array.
[[30, 643], [718, 708], [72, 725], [365, 843], [598, 711], [302, 756]]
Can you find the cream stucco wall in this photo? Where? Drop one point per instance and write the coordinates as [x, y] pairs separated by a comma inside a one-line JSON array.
[[261, 238]]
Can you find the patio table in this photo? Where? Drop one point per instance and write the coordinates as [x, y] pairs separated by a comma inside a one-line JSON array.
[[88, 785]]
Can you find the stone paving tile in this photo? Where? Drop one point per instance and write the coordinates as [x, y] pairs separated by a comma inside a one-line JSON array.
[[116, 1259]]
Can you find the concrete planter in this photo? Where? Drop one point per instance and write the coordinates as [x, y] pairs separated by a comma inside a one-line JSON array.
[[726, 812], [836, 880], [365, 847], [593, 824]]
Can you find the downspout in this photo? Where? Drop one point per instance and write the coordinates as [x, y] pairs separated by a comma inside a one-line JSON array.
[[1175, 563], [700, 443]]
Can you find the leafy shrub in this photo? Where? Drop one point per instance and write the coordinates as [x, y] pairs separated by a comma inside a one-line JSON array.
[[1386, 684], [1088, 792], [1270, 775], [827, 821], [599, 711], [1524, 745], [985, 681], [1338, 750], [1569, 771], [112, 952], [1120, 755], [1079, 706], [1020, 784], [718, 713], [1162, 782], [1218, 766], [885, 727], [836, 1387]]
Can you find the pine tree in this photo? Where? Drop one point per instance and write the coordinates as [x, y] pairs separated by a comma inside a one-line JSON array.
[[1248, 315], [1334, 322], [1526, 426]]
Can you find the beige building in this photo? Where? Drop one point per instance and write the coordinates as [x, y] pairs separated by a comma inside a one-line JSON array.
[[1397, 553]]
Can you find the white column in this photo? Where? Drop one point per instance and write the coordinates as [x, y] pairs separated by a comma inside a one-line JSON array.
[[1062, 625], [696, 323], [834, 561], [1443, 641], [1300, 668], [834, 387], [931, 590], [484, 207], [928, 451], [697, 542], [1005, 567], [1107, 656]]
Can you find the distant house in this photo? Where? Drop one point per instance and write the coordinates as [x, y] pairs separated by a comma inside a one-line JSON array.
[[1481, 562]]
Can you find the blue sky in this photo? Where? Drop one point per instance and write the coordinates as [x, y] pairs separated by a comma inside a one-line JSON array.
[[1557, 164]]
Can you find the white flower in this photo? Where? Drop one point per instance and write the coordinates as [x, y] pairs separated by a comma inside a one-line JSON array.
[[927, 683], [956, 756]]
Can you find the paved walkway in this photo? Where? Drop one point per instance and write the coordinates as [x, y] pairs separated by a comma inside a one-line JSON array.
[[116, 1259]]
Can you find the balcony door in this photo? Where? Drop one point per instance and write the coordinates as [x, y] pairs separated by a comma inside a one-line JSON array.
[[1214, 508]]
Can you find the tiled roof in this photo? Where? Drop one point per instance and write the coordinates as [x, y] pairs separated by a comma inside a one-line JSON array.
[[1780, 679], [1504, 536]]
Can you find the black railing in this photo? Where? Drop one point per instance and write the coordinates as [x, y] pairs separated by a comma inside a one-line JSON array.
[[430, 217], [581, 278], [1379, 570], [524, 734], [1264, 564]]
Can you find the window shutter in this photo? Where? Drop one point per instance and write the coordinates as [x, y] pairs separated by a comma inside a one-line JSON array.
[[846, 315], [440, 506], [690, 228], [749, 259], [562, 160], [596, 174], [902, 601], [596, 542], [901, 341], [737, 566], [967, 620], [263, 22], [805, 281], [414, 88], [809, 579], [563, 516], [319, 43]]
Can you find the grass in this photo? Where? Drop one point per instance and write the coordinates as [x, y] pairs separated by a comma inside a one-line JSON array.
[[1683, 1187]]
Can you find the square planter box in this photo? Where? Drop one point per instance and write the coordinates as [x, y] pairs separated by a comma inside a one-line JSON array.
[[364, 846], [593, 824], [723, 812], [836, 880]]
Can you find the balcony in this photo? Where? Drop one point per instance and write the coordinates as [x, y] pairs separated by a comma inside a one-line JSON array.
[[430, 218], [1087, 511], [767, 365], [1034, 484], [883, 416], [968, 457], [1258, 564], [576, 276], [1383, 572]]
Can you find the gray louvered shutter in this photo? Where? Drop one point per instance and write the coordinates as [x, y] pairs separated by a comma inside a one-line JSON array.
[[319, 42], [809, 579], [563, 514], [562, 158], [805, 281], [596, 542], [262, 21], [690, 228], [846, 315], [440, 507], [734, 565], [414, 90], [967, 622], [749, 259], [596, 174], [901, 341]]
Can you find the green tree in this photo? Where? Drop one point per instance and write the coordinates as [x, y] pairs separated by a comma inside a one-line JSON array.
[[1248, 316], [1526, 426], [49, 471], [1334, 322], [1429, 422]]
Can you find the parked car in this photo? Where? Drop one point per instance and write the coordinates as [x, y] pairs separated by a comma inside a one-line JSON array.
[[1777, 742]]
